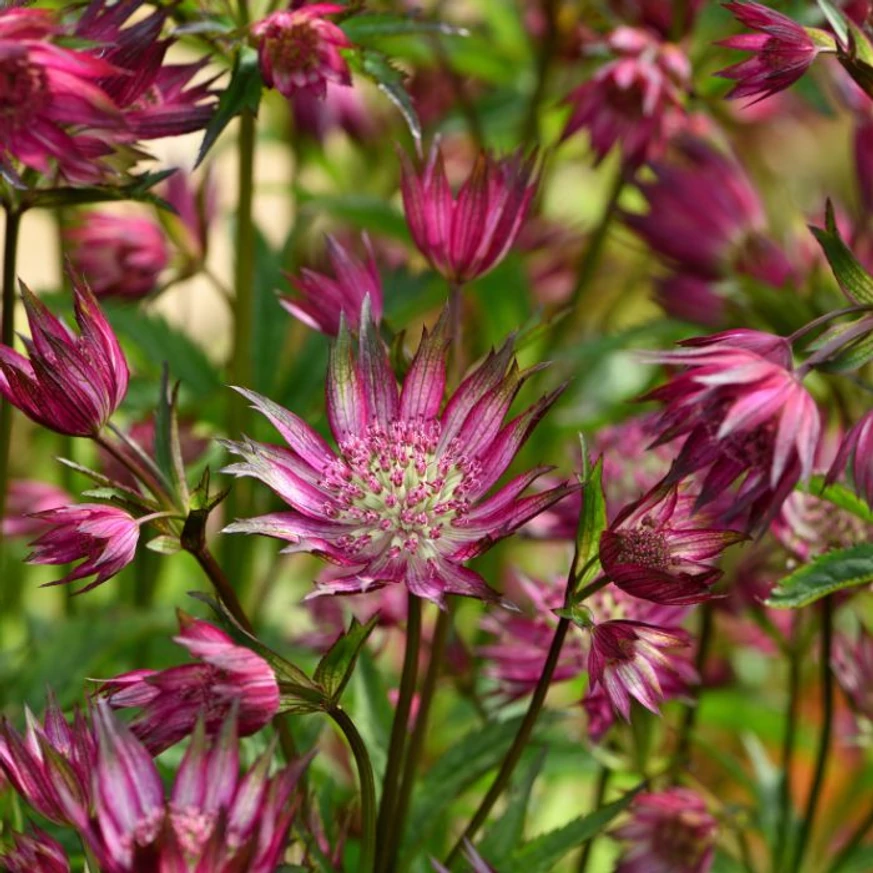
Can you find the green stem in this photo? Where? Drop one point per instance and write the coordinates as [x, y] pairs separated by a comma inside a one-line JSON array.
[[137, 469], [241, 368], [783, 825], [399, 731], [547, 49], [827, 696], [222, 586], [599, 794], [7, 335], [852, 845], [419, 733], [683, 744], [368, 787]]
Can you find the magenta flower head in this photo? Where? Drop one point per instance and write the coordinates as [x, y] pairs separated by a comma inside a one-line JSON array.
[[227, 676], [53, 105], [25, 498], [300, 50], [744, 415], [35, 852], [657, 550], [214, 819], [466, 235], [322, 301], [705, 216], [782, 51], [103, 538], [70, 384], [340, 109], [118, 255], [668, 832], [856, 453], [634, 101], [626, 657], [408, 497], [50, 766]]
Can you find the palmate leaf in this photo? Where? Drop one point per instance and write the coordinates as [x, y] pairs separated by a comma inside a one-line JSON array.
[[833, 571]]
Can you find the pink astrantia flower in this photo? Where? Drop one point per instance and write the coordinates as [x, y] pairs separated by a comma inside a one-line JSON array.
[[668, 832], [340, 109], [407, 499], [214, 820], [782, 51], [103, 538], [856, 453], [634, 101], [26, 497], [322, 301], [34, 852], [53, 106], [657, 549], [299, 49], [118, 255], [50, 766], [466, 235], [172, 700], [852, 663], [744, 415], [690, 298], [705, 216], [625, 658], [156, 99], [70, 384]]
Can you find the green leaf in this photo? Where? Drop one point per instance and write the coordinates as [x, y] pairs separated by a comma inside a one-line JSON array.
[[270, 326], [242, 94], [478, 752], [335, 669], [360, 28], [541, 854], [836, 19], [855, 282], [852, 356], [160, 343], [592, 522], [833, 571], [139, 189], [165, 545], [508, 831], [365, 212], [840, 496], [378, 68]]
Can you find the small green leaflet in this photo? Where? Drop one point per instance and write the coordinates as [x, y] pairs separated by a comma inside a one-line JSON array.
[[360, 28], [335, 669], [389, 79], [855, 282]]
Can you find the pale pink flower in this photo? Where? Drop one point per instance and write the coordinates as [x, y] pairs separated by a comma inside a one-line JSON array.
[[300, 49], [25, 498], [118, 255], [34, 852]]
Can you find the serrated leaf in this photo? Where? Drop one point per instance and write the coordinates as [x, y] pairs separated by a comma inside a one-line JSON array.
[[242, 94], [335, 669], [461, 766], [541, 854], [840, 496], [508, 831], [833, 571], [592, 522], [379, 69], [360, 28], [854, 281]]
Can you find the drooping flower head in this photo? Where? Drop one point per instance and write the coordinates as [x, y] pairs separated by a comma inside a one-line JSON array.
[[744, 415], [300, 50], [171, 701], [705, 216], [408, 496], [25, 498], [668, 832], [102, 537], [466, 235], [118, 255], [215, 819], [50, 766], [156, 99], [322, 301], [782, 51], [54, 111], [634, 101], [70, 384], [34, 852]]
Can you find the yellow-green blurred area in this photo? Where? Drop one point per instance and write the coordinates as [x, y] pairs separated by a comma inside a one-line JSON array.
[[797, 149]]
